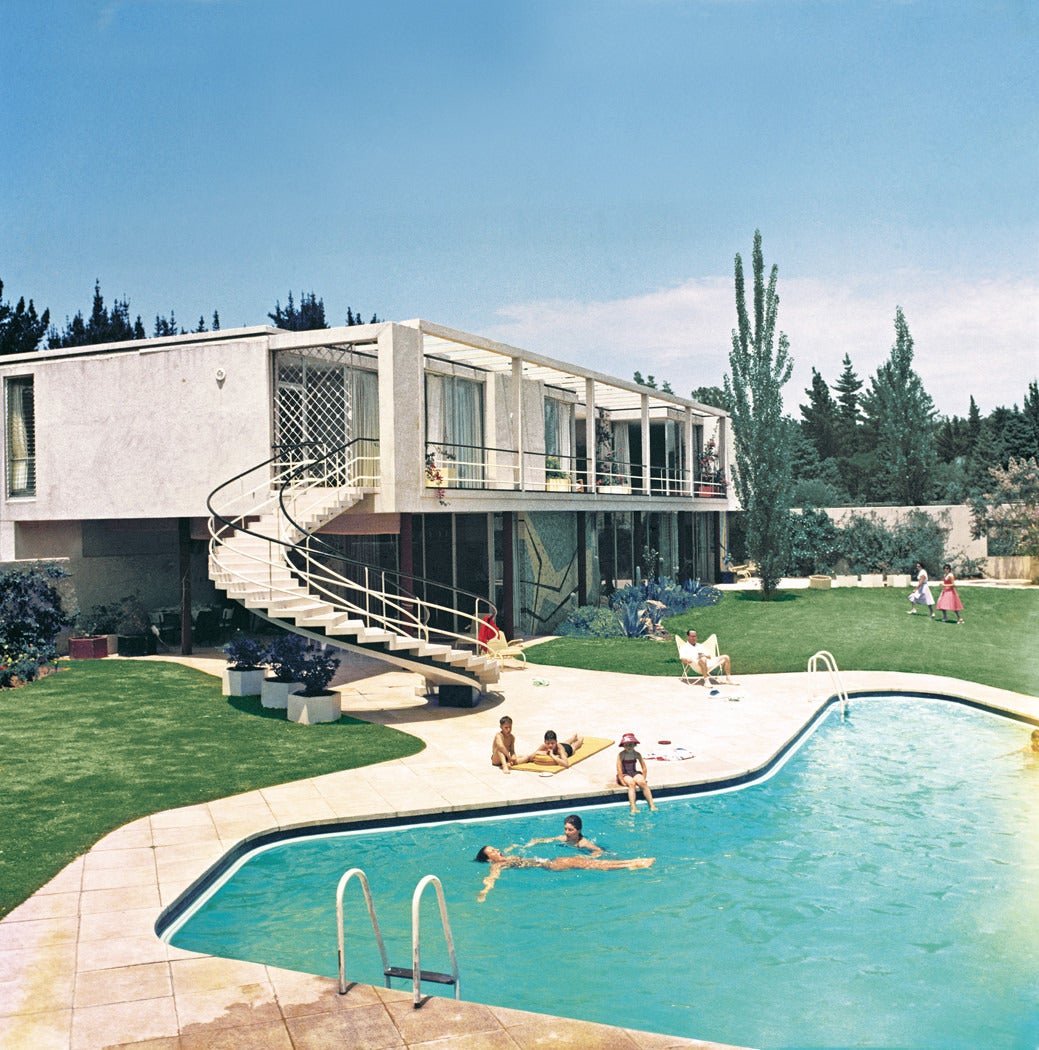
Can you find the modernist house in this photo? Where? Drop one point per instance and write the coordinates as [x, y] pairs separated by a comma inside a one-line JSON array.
[[404, 479]]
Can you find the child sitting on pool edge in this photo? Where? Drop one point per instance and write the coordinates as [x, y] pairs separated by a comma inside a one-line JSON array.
[[629, 774], [503, 750]]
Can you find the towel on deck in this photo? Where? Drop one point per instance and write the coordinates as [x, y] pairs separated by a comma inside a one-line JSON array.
[[591, 746]]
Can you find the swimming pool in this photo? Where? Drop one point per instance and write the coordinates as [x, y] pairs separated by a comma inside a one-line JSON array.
[[881, 889]]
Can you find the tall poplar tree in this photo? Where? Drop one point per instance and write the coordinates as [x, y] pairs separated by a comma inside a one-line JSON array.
[[760, 368], [900, 419]]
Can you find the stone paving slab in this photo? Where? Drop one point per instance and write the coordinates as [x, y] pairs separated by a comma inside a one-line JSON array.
[[81, 966]]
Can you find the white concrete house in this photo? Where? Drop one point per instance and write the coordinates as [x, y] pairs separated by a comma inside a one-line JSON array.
[[446, 462]]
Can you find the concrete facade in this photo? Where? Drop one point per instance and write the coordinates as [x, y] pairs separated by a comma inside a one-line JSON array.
[[127, 440]]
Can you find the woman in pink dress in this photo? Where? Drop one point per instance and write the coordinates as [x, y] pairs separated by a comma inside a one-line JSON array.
[[949, 599]]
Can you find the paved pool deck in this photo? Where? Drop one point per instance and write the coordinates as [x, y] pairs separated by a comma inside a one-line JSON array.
[[81, 967]]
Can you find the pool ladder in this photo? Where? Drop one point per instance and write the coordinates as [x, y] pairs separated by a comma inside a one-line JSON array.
[[415, 971], [830, 664]]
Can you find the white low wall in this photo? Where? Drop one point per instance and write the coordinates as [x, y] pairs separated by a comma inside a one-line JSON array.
[[954, 517]]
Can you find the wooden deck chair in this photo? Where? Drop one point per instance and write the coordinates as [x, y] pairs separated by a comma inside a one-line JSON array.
[[745, 572], [691, 669], [501, 649]]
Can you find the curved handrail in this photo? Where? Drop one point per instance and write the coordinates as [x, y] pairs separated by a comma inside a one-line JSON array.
[[341, 938], [825, 658], [383, 597], [416, 967]]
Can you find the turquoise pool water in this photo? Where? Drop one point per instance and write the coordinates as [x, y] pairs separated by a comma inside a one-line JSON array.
[[880, 890]]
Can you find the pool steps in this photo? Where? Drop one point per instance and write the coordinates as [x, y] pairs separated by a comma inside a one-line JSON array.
[[414, 973], [830, 664]]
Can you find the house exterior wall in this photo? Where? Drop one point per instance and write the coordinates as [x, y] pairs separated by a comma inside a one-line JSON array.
[[129, 433]]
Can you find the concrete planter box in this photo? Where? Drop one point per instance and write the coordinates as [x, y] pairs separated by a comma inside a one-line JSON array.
[[557, 485], [819, 583], [275, 693], [95, 648], [243, 683], [309, 710]]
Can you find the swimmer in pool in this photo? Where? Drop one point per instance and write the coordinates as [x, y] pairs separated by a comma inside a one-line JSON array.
[[560, 751], [1031, 748], [499, 862], [573, 835]]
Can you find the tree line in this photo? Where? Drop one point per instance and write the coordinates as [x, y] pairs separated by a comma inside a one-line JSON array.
[[884, 442], [24, 330]]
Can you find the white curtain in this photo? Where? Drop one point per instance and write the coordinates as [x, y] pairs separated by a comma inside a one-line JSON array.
[[622, 452], [365, 422], [19, 422], [454, 427]]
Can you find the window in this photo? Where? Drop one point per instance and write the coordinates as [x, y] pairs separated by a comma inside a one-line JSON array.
[[21, 437], [454, 428]]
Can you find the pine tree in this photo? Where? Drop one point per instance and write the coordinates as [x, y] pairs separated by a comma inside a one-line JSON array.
[[900, 416], [849, 416], [821, 420], [309, 315], [21, 330], [760, 367]]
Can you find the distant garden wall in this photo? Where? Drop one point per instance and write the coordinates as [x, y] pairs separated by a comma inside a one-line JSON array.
[[954, 517]]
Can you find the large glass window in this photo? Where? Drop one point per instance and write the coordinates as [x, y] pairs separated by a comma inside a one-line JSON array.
[[454, 428], [21, 437]]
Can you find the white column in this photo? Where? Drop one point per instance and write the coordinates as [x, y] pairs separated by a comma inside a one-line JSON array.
[[517, 419], [646, 478], [589, 430]]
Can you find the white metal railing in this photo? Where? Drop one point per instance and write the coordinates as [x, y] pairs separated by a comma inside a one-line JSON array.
[[453, 466], [830, 664], [415, 971]]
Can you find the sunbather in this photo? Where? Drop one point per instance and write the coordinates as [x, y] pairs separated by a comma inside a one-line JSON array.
[[694, 655]]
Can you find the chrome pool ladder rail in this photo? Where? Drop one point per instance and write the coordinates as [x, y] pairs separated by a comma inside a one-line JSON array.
[[830, 664], [347, 876], [415, 971]]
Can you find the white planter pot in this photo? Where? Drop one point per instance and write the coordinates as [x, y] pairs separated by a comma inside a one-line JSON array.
[[308, 710], [275, 693], [243, 683]]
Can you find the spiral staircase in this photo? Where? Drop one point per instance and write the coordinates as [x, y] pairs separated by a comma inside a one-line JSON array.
[[265, 553]]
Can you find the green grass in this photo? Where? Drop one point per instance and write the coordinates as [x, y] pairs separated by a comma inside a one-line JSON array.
[[865, 629], [84, 751]]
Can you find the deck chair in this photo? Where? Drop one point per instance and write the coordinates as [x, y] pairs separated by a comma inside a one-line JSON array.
[[691, 670], [744, 572], [501, 649]]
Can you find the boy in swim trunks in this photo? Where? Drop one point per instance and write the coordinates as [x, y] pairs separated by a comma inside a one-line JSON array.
[[560, 751], [503, 750]]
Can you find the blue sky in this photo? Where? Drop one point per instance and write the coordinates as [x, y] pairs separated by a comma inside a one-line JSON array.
[[572, 177]]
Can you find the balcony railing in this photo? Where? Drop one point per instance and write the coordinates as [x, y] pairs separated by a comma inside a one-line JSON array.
[[454, 465]]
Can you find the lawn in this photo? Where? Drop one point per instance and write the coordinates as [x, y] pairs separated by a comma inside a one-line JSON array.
[[103, 742], [865, 629]]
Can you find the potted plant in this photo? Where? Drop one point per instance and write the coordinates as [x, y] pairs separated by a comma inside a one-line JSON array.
[[556, 479], [283, 657], [94, 636], [315, 702], [244, 674], [134, 628]]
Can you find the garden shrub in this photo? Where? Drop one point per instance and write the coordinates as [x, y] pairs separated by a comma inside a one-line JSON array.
[[31, 616], [628, 612], [591, 621], [815, 543]]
